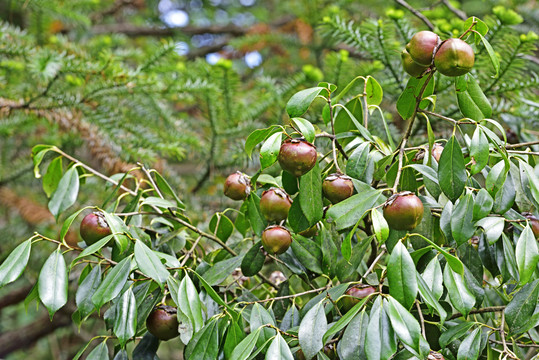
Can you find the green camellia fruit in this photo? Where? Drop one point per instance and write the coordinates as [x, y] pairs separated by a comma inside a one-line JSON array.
[[275, 204], [534, 223], [237, 186], [454, 58], [163, 322], [93, 228], [337, 187], [422, 47], [410, 66], [276, 239], [297, 156], [403, 211]]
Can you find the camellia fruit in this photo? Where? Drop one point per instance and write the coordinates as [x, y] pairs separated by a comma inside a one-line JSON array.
[[275, 204], [403, 211], [237, 186], [422, 47], [410, 66], [355, 294], [337, 187], [534, 223], [276, 239], [93, 228], [163, 322], [454, 58], [297, 156]]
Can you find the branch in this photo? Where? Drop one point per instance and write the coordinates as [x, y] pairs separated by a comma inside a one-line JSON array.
[[284, 297], [416, 13], [461, 14], [480, 311], [513, 146], [15, 296], [134, 30]]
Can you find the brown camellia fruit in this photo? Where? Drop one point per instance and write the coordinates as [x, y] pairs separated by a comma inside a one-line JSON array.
[[276, 239], [337, 187], [275, 204], [534, 223], [94, 227], [422, 47], [403, 211], [297, 156], [355, 294], [237, 186], [163, 322], [410, 66], [454, 58], [437, 150]]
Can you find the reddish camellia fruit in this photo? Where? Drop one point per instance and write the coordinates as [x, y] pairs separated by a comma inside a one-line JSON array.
[[337, 187], [297, 156], [276, 239], [437, 150], [422, 47], [454, 58], [275, 204], [410, 66], [534, 223], [93, 228], [163, 322], [237, 186], [403, 211], [354, 295]]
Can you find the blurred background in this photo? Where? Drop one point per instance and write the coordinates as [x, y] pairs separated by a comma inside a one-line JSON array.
[[179, 85]]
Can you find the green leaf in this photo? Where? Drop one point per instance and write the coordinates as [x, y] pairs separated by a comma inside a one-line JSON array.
[[380, 340], [405, 326], [205, 343], [430, 299], [310, 195], [451, 170], [311, 330], [66, 192], [38, 153], [118, 229], [121, 355], [92, 249], [380, 226], [526, 254], [472, 102], [479, 151], [357, 162], [407, 100], [234, 336], [221, 270], [346, 112], [150, 264], [256, 219], [459, 294], [452, 260], [166, 189], [462, 226], [52, 283], [100, 352], [308, 253], [279, 350], [260, 317], [146, 348], [344, 122], [470, 347], [189, 309], [433, 278], [113, 283], [492, 55], [52, 178], [67, 223], [270, 150], [454, 333], [299, 103], [401, 275], [352, 344], [522, 307], [305, 127], [482, 204], [15, 263], [253, 261], [430, 178], [86, 289], [221, 226], [297, 219], [257, 136], [246, 346], [213, 294], [344, 320], [493, 227], [348, 212], [374, 91], [125, 324]]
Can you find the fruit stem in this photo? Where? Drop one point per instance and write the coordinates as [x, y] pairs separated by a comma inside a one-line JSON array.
[[469, 29], [334, 140], [409, 131]]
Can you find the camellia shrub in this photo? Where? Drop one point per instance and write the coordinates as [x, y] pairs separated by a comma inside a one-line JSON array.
[[359, 248]]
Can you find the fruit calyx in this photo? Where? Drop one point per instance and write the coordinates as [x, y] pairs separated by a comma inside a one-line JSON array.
[[403, 211], [237, 186], [276, 239], [297, 156], [275, 204], [337, 187]]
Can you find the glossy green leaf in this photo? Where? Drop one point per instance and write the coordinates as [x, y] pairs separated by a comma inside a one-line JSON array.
[[430, 178], [113, 283], [344, 320], [308, 253], [299, 103], [454, 333], [146, 348], [434, 278], [189, 309], [312, 329], [121, 355], [118, 229], [125, 325], [401, 275], [522, 306], [346, 113], [234, 336], [246, 346], [270, 150], [221, 226], [380, 340], [85, 291], [256, 219], [279, 350], [406, 326], [430, 299], [221, 270], [380, 226], [52, 177], [257, 136], [496, 177], [462, 226], [253, 261], [92, 249], [527, 254], [100, 352], [52, 282], [38, 153], [451, 170], [205, 343], [166, 189], [374, 91], [492, 227], [472, 102], [66, 192], [150, 264], [260, 317], [310, 195], [459, 294], [348, 212], [492, 54], [479, 151], [15, 263], [357, 162], [482, 204], [305, 127], [346, 121], [352, 344], [407, 100], [470, 347]]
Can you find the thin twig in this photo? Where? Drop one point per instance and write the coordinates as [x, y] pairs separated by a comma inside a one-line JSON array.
[[461, 14], [480, 311], [416, 13], [513, 146], [374, 263], [284, 297], [422, 320], [333, 137]]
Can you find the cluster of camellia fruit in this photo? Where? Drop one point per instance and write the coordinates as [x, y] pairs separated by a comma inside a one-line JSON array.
[[452, 57]]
